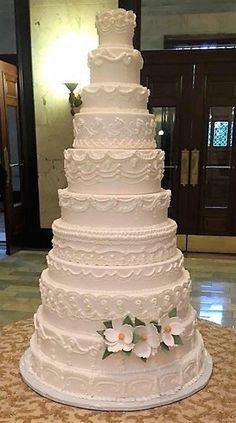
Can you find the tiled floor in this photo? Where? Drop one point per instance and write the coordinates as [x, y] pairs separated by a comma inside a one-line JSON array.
[[213, 295]]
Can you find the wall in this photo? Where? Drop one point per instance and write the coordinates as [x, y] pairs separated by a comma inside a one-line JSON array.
[[171, 17], [7, 27], [62, 32]]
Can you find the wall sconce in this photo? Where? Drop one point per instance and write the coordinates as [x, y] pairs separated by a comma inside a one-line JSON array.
[[74, 100]]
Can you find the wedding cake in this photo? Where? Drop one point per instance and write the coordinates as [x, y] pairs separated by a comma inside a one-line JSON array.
[[115, 329]]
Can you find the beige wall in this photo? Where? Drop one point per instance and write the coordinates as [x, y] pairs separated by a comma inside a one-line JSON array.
[[171, 17], [61, 31]]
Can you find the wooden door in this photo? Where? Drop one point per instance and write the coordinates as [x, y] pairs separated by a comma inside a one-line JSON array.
[[11, 157], [193, 96], [170, 97]]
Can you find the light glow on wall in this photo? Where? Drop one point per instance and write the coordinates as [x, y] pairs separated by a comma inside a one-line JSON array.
[[66, 61]]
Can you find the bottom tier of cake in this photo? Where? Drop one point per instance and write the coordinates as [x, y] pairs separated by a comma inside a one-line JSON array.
[[114, 390]]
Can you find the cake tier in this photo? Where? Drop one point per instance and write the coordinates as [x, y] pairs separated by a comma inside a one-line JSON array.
[[114, 130], [79, 307], [115, 64], [114, 97], [117, 278], [135, 210], [114, 171], [115, 247], [115, 27], [85, 350], [71, 360], [118, 386]]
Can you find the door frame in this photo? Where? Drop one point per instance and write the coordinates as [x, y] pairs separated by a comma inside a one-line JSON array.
[[35, 236], [13, 211]]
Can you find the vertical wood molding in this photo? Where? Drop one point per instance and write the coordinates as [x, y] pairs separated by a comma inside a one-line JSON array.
[[27, 119]]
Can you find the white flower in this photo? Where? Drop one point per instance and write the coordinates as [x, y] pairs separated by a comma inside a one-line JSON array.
[[149, 340], [170, 326], [119, 337]]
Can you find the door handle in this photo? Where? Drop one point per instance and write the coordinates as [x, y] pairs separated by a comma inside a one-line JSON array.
[[194, 172], [6, 164], [184, 171]]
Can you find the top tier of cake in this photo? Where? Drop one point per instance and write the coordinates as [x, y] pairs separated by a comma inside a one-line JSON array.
[[115, 27]]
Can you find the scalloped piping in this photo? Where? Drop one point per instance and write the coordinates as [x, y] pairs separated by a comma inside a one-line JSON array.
[[121, 155], [120, 204], [118, 19], [147, 271], [97, 56]]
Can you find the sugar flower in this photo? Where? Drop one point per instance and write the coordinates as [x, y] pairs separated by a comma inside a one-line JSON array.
[[148, 340], [119, 337], [170, 326]]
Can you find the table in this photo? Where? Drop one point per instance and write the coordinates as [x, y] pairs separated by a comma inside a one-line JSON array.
[[216, 403]]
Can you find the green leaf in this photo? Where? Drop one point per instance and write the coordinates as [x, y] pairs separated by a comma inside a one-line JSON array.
[[164, 347], [156, 324], [143, 359], [128, 321], [178, 340], [136, 338], [127, 352], [101, 332], [138, 322], [108, 324], [106, 354], [173, 312]]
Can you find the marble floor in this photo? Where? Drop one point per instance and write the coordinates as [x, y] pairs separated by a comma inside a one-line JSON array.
[[213, 294]]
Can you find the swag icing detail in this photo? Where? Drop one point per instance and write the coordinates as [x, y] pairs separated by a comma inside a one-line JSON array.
[[143, 340]]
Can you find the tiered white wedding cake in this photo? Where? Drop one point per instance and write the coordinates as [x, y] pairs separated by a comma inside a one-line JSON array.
[[115, 329]]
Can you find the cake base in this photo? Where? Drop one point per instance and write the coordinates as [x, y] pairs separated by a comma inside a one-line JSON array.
[[96, 404]]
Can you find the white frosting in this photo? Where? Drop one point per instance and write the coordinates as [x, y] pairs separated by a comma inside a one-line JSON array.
[[115, 27], [109, 246], [78, 303], [115, 64], [114, 249], [114, 98], [70, 347], [114, 210], [114, 172], [122, 385], [117, 278], [114, 130]]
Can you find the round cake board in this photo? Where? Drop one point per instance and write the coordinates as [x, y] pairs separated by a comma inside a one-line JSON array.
[[93, 404]]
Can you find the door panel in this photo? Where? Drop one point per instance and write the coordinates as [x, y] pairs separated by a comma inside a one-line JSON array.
[[170, 87], [11, 157], [216, 84], [193, 96]]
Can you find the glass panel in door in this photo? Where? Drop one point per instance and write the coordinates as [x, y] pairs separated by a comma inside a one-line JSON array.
[[14, 156], [165, 118], [219, 156]]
